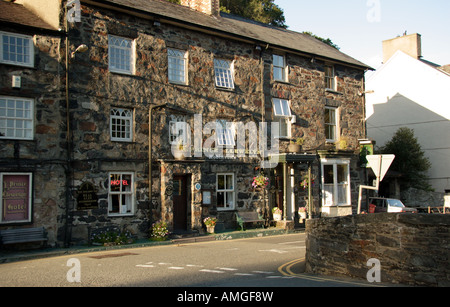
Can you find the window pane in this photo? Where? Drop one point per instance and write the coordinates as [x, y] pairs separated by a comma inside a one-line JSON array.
[[230, 182], [221, 182], [230, 200], [220, 199]]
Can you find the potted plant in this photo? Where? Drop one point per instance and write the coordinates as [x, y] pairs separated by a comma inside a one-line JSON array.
[[178, 150], [210, 223], [302, 213], [260, 181], [159, 231], [296, 146], [277, 213]]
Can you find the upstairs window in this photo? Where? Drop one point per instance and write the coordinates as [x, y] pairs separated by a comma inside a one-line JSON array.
[[16, 118], [282, 114], [16, 49], [177, 66], [279, 68], [330, 78], [178, 133], [225, 133], [121, 125], [331, 124], [121, 54], [224, 73]]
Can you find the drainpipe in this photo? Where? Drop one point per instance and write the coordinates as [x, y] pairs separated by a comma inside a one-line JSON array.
[[68, 139], [150, 152]]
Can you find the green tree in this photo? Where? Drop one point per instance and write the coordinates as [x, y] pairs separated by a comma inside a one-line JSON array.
[[410, 160], [327, 41], [265, 11]]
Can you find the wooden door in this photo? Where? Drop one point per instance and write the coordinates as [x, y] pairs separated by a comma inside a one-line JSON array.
[[180, 203]]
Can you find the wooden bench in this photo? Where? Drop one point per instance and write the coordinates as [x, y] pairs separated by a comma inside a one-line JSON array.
[[23, 235], [248, 217]]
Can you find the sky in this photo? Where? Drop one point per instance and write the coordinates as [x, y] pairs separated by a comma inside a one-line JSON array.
[[358, 27]]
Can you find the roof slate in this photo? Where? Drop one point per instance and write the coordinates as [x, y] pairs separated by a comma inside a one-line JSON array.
[[237, 26], [18, 14]]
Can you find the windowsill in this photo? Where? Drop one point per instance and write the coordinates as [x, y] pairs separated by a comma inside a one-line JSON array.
[[226, 89], [120, 214], [282, 82], [329, 90]]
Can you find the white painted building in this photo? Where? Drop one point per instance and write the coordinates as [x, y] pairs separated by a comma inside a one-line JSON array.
[[411, 92]]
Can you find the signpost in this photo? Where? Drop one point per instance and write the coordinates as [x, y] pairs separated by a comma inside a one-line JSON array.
[[380, 165]]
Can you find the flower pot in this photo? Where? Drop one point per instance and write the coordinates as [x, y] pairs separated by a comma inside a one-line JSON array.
[[210, 229], [294, 148], [178, 154], [302, 215], [277, 217]]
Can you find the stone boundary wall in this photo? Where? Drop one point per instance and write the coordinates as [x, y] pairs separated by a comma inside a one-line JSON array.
[[413, 249]]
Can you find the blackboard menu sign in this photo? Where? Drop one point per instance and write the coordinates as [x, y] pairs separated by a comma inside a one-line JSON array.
[[87, 197]]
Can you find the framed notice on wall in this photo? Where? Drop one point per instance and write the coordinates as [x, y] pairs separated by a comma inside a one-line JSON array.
[[15, 197]]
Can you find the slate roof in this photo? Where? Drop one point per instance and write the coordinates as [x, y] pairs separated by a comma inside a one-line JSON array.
[[237, 27], [18, 14]]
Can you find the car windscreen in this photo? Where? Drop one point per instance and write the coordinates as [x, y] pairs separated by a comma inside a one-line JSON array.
[[395, 203]]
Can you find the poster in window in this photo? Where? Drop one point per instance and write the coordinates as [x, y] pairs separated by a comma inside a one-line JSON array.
[[16, 197]]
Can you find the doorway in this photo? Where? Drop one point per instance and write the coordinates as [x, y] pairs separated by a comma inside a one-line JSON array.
[[180, 203]]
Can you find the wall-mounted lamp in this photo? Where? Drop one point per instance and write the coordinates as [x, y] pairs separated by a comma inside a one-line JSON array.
[[80, 49]]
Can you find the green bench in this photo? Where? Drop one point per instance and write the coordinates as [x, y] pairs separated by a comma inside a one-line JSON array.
[[248, 217]]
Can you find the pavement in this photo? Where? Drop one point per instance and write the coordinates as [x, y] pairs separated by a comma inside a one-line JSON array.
[[7, 256]]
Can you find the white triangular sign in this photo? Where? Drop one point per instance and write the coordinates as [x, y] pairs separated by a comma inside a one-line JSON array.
[[380, 164]]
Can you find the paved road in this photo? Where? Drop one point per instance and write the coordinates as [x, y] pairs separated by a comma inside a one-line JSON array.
[[258, 262]]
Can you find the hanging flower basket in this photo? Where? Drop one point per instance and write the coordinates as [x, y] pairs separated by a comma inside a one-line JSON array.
[[260, 181]]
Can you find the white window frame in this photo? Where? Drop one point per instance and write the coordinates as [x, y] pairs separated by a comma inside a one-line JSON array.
[[129, 196], [19, 121], [178, 130], [282, 113], [124, 120], [28, 52], [177, 66], [128, 55], [224, 73], [331, 192], [225, 133], [29, 197], [332, 125], [330, 78], [280, 68], [229, 193]]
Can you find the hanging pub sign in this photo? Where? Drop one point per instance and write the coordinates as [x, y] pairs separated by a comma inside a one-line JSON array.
[[16, 197], [87, 197]]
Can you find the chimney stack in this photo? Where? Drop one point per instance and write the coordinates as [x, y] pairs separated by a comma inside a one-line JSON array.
[[409, 44], [210, 7]]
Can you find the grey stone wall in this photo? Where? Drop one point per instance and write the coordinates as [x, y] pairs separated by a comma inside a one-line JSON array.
[[413, 249]]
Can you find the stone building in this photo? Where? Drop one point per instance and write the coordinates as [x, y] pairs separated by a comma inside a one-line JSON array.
[[161, 79]]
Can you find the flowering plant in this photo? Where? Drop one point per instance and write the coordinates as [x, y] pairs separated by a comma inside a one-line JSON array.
[[277, 210], [159, 231], [210, 221], [260, 181], [304, 183], [302, 209], [112, 238]]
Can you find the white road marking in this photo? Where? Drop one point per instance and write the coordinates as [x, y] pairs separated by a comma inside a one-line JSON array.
[[262, 272], [212, 271], [145, 265], [227, 269], [279, 251], [175, 268]]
